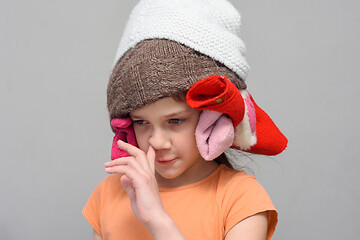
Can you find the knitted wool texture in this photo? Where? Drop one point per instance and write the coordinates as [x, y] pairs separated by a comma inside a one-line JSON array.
[[211, 27], [158, 68]]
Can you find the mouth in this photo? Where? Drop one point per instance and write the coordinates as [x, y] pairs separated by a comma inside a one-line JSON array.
[[166, 161]]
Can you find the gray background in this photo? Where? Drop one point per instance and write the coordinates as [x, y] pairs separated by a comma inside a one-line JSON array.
[[55, 58]]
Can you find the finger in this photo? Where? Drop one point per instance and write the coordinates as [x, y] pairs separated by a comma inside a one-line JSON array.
[[129, 172], [150, 155], [119, 161], [121, 169], [110, 167], [128, 187], [134, 151], [137, 180], [131, 149]]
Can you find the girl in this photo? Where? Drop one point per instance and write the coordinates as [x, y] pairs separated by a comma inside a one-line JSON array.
[[177, 101]]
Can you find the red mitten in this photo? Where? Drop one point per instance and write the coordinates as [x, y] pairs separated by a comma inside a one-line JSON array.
[[218, 94], [124, 132], [269, 139]]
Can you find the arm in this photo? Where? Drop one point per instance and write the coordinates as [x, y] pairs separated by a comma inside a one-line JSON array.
[[251, 228], [96, 236]]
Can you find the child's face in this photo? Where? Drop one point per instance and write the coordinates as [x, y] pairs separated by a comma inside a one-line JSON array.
[[169, 127]]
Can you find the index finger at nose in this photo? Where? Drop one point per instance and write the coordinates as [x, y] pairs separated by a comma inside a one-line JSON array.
[[135, 152], [132, 150]]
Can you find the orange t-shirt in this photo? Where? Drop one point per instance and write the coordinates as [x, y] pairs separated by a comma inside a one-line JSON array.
[[206, 209]]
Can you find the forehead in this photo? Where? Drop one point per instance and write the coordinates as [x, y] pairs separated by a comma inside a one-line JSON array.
[[163, 107]]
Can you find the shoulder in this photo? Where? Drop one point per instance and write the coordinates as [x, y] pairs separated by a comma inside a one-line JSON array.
[[238, 186], [111, 180], [229, 178], [106, 192], [243, 196], [108, 186]]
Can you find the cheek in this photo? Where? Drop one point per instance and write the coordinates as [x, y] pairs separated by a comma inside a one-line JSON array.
[[141, 140], [187, 143], [188, 140]]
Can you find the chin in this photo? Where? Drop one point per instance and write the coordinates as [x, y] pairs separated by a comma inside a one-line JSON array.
[[168, 174]]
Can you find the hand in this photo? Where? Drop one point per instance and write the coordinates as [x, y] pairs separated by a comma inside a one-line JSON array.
[[139, 182]]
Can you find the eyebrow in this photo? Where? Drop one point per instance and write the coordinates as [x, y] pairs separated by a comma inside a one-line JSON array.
[[174, 114]]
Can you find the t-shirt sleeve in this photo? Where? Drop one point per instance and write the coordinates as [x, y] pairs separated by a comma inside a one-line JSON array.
[[91, 210], [245, 197]]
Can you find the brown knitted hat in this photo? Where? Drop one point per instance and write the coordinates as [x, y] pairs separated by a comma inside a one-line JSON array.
[[157, 68]]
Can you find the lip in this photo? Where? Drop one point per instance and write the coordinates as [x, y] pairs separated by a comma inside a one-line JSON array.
[[166, 161]]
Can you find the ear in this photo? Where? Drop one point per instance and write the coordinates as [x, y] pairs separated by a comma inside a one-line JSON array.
[[125, 132]]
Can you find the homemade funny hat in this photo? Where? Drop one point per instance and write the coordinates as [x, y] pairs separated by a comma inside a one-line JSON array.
[[157, 68], [204, 40], [168, 46]]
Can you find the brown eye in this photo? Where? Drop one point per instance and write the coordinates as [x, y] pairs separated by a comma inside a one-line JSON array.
[[140, 122], [176, 121]]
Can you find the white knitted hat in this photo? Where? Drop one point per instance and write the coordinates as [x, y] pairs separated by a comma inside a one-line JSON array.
[[211, 27]]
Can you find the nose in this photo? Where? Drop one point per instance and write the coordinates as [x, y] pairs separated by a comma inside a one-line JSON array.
[[160, 139]]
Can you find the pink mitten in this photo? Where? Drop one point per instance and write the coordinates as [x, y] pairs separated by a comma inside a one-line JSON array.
[[124, 132], [214, 134]]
